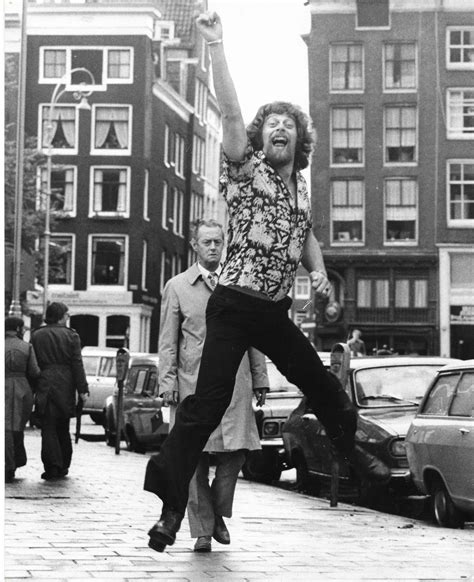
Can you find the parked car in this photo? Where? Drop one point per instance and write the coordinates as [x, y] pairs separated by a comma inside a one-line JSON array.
[[266, 465], [440, 445], [145, 421], [386, 392], [99, 365]]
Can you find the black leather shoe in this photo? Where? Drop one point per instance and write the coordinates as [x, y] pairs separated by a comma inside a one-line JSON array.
[[163, 533], [51, 475], [221, 533], [368, 466]]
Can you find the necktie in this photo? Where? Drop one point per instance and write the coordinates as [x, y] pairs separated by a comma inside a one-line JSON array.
[[212, 279]]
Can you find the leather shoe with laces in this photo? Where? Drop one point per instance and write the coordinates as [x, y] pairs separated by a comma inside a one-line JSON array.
[[163, 533], [221, 533], [203, 544], [368, 466]]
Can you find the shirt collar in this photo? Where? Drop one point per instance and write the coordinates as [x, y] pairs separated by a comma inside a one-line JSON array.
[[205, 273]]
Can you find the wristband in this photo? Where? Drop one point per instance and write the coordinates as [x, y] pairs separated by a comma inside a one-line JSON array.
[[313, 273], [218, 41]]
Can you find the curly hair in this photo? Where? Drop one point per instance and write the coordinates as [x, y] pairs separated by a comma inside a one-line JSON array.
[[210, 223], [306, 136]]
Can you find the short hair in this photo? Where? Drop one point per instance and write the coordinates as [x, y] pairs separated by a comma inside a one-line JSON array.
[[13, 323], [210, 223], [306, 136], [55, 311]]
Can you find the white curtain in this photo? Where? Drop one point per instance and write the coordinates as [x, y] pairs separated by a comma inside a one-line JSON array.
[[402, 293], [105, 117], [421, 293], [381, 293]]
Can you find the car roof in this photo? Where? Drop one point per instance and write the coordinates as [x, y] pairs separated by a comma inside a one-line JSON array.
[[95, 351], [459, 365], [145, 360], [384, 361]]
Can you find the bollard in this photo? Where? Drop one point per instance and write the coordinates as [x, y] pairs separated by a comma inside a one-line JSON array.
[[121, 366], [340, 363]]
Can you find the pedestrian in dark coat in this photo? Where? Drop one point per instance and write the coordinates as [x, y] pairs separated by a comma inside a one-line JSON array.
[[21, 370], [58, 350]]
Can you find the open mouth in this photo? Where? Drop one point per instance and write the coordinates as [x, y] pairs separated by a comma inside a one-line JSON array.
[[279, 141]]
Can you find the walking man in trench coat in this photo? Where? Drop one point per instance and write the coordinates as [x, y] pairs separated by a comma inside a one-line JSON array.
[[182, 332], [21, 369], [58, 350]]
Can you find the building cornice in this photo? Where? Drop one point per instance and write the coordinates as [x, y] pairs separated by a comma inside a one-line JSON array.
[[95, 19], [350, 6]]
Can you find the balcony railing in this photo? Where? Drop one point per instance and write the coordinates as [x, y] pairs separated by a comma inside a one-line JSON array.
[[393, 315]]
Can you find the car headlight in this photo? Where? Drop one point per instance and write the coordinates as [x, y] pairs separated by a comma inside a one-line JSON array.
[[271, 428], [397, 448]]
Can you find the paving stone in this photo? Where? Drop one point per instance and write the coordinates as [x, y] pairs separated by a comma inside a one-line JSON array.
[[92, 526]]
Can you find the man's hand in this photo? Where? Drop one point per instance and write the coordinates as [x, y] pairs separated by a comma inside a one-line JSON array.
[[261, 395], [169, 398], [209, 25], [320, 284], [83, 396]]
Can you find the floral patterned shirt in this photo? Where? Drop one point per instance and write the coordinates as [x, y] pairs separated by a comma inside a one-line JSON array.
[[267, 226]]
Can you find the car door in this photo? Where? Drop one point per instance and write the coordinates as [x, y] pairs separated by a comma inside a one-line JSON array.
[[145, 411], [461, 439], [437, 431]]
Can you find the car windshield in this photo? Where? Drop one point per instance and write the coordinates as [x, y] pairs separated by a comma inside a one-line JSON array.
[[278, 382], [90, 365], [107, 367], [393, 385]]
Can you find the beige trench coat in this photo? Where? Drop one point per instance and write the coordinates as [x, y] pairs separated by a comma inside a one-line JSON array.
[[182, 333]]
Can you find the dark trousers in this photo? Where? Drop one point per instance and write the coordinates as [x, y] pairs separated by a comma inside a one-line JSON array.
[[15, 452], [56, 446], [235, 321]]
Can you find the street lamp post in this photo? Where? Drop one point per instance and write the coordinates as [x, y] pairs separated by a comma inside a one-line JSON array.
[[80, 95]]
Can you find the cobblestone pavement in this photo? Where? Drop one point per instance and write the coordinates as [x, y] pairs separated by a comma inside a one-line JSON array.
[[92, 526]]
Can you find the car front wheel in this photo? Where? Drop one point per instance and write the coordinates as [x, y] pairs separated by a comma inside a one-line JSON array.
[[262, 466], [446, 514], [109, 428], [305, 482], [133, 444]]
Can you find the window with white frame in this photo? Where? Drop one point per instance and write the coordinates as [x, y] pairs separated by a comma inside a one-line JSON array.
[[199, 155], [146, 196], [373, 293], [460, 114], [411, 293], [197, 205], [200, 100], [111, 191], [162, 271], [60, 270], [400, 66], [63, 190], [178, 211], [347, 67], [175, 265], [347, 211], [107, 260], [400, 134], [401, 210], [302, 287], [461, 193], [144, 264], [166, 146], [460, 47], [179, 155], [164, 206], [347, 135], [112, 129], [107, 65], [59, 128]]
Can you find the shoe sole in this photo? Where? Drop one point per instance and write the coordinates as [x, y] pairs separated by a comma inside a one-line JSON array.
[[156, 545], [221, 541], [159, 540], [203, 550]]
